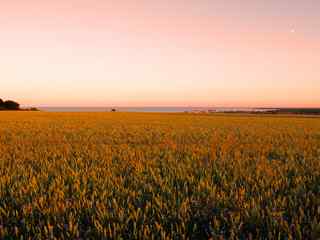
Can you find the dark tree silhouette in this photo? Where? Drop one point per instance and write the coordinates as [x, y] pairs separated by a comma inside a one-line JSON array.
[[1, 104], [11, 105]]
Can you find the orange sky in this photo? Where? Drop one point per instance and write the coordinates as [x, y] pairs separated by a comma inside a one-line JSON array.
[[160, 53]]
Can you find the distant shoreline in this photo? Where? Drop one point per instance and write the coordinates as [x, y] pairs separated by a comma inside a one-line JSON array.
[[304, 111]]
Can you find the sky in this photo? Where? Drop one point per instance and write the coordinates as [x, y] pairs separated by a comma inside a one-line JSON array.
[[213, 53]]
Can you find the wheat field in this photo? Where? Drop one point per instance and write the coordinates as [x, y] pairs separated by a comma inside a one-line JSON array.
[[158, 176]]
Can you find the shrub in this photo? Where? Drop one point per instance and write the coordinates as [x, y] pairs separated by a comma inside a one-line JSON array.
[[1, 105], [11, 105]]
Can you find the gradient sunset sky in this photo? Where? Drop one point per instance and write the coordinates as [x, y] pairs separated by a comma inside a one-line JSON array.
[[250, 53]]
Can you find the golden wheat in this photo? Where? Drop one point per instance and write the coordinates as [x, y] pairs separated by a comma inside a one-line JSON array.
[[158, 176]]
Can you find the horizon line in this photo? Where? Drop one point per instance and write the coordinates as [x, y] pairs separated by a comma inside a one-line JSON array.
[[158, 106]]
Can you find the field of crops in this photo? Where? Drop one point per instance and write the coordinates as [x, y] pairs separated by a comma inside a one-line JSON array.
[[158, 176]]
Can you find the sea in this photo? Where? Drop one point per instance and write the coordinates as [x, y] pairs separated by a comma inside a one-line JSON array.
[[146, 109]]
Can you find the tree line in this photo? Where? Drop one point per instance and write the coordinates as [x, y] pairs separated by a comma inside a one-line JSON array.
[[9, 105]]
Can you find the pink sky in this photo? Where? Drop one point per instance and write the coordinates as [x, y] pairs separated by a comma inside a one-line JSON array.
[[160, 53]]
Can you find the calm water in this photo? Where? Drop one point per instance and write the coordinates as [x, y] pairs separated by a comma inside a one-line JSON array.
[[138, 109]]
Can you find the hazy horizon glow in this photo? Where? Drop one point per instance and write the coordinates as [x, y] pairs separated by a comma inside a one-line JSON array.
[[161, 53]]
